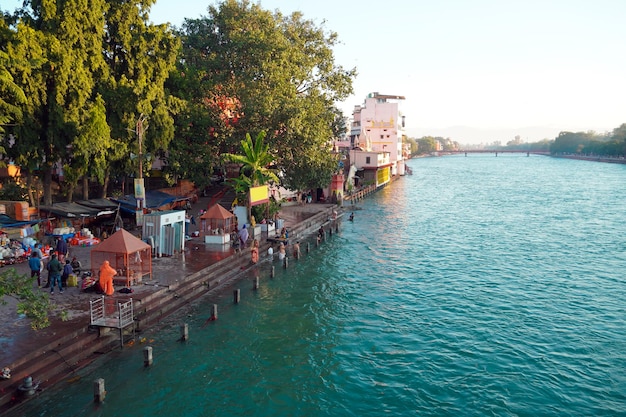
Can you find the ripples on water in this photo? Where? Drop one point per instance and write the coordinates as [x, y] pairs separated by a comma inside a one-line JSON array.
[[477, 286]]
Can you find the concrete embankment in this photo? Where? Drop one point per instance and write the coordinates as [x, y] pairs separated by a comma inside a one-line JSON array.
[[74, 345]]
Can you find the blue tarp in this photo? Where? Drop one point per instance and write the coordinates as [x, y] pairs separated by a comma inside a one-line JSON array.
[[154, 200], [6, 221]]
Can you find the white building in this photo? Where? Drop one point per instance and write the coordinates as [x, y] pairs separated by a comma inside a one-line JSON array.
[[377, 128]]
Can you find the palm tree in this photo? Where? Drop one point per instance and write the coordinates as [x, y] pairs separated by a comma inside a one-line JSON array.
[[255, 161]]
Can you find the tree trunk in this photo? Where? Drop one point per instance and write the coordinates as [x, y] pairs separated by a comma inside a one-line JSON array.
[[47, 186], [85, 188], [105, 186], [31, 191]]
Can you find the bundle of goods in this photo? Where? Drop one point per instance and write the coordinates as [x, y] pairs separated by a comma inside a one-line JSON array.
[[89, 283], [72, 280], [84, 238], [13, 253]]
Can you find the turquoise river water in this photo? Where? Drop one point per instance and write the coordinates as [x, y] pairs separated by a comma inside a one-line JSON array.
[[479, 285]]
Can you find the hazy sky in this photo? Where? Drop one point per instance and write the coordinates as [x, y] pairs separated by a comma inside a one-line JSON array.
[[473, 70]]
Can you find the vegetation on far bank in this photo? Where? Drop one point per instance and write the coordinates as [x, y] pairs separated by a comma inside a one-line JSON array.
[[571, 143]]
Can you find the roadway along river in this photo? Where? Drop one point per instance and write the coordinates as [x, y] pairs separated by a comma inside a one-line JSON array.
[[480, 285]]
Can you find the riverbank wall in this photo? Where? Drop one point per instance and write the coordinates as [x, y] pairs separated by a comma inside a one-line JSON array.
[[74, 345]]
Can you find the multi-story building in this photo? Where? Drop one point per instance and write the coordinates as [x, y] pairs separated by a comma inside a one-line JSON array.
[[376, 135]]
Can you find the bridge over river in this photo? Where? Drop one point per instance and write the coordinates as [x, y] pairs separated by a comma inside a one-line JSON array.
[[494, 151]]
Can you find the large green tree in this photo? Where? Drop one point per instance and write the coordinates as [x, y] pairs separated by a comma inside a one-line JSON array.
[[58, 57], [139, 57], [248, 69]]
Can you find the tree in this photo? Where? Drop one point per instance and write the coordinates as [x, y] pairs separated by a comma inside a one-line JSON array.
[[34, 305], [570, 142], [427, 144], [58, 57], [90, 150], [247, 69], [139, 57], [255, 161], [12, 97]]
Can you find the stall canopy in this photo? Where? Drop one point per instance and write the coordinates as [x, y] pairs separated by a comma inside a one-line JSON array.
[[75, 210], [102, 204], [217, 220], [154, 200], [127, 254]]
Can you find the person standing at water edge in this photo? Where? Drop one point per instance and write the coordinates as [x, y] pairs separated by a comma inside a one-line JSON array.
[[296, 249], [281, 252], [254, 252]]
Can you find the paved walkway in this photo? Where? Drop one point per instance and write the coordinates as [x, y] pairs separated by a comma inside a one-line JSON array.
[[16, 337]]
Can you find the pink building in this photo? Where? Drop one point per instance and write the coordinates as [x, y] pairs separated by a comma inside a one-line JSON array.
[[376, 149], [378, 126]]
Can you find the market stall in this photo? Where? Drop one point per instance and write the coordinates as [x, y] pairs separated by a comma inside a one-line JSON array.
[[127, 254]]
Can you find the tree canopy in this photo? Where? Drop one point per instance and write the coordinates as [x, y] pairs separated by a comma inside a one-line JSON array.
[[246, 69]]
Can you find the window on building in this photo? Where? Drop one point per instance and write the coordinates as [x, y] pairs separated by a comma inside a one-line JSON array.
[[382, 136], [367, 159]]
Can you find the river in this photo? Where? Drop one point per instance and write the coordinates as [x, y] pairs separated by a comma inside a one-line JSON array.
[[479, 285]]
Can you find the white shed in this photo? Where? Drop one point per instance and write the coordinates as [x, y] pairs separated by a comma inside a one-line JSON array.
[[165, 231]]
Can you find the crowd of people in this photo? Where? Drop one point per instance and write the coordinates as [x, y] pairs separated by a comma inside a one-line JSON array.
[[59, 268]]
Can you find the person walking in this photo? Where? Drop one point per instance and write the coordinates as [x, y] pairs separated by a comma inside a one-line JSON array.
[[34, 262], [55, 269]]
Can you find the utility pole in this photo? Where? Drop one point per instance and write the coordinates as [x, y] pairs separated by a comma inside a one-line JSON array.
[[140, 193]]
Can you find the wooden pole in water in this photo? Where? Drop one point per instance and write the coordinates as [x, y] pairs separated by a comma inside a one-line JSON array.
[[237, 296], [255, 285], [214, 312], [99, 393], [147, 356], [286, 262], [184, 332], [272, 273], [308, 247]]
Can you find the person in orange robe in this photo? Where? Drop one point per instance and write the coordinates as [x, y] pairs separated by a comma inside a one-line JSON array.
[[106, 278]]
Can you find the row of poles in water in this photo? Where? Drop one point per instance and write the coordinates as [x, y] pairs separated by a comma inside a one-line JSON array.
[[99, 390]]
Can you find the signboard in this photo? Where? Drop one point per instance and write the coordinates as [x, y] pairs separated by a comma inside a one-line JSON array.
[[259, 195], [140, 191]]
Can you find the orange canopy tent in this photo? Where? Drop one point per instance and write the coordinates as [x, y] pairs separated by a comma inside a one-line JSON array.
[[127, 254], [217, 218]]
